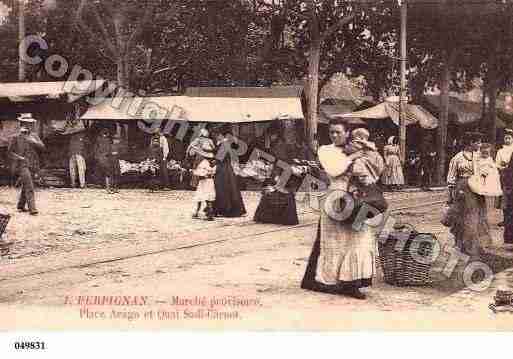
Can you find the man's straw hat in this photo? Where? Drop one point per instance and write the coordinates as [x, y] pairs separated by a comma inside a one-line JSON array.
[[26, 117]]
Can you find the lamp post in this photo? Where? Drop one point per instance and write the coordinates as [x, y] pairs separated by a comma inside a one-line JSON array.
[[403, 100]]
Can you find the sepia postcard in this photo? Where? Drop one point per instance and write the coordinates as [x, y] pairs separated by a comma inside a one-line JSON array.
[[263, 165]]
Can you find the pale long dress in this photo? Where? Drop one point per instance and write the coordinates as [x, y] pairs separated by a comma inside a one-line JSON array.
[[346, 255], [393, 174]]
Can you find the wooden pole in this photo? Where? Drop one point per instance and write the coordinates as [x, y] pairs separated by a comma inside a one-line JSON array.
[[403, 93], [21, 37], [444, 115]]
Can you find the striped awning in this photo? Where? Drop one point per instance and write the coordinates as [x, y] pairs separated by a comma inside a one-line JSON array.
[[413, 114]]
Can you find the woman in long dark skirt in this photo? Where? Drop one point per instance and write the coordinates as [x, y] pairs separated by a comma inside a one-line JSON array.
[[228, 201], [507, 182], [278, 202], [277, 206]]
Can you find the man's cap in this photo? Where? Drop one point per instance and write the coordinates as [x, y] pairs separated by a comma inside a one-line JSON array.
[[26, 117], [508, 131]]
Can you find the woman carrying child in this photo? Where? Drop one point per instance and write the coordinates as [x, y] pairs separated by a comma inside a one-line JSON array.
[[342, 260]]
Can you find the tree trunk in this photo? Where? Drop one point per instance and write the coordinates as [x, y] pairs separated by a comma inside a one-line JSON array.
[[122, 73], [314, 59], [484, 109], [444, 117], [313, 92], [492, 109]]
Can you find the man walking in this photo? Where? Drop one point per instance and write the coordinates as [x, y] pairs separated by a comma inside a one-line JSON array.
[[77, 163], [23, 150]]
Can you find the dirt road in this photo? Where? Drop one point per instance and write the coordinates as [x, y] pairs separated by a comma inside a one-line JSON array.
[[87, 244]]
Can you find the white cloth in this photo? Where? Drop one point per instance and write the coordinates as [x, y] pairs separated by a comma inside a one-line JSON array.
[[334, 161], [164, 145], [486, 179], [504, 156]]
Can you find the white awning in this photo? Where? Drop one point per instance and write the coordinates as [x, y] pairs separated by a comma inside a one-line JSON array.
[[196, 109], [19, 91]]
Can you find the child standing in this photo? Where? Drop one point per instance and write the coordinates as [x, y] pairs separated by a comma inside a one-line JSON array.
[[205, 171]]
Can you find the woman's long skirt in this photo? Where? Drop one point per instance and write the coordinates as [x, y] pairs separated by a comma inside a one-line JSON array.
[[508, 219], [471, 229], [277, 208], [393, 174], [228, 201], [341, 256]]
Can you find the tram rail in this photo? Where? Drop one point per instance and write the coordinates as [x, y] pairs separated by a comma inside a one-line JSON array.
[[71, 260]]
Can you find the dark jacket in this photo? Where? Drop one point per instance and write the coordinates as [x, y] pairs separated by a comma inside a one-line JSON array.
[[24, 151], [77, 144]]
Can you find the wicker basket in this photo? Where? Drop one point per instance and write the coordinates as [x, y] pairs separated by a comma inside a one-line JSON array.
[[4, 220], [399, 266]]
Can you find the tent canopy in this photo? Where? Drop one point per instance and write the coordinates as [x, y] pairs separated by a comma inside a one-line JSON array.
[[329, 108], [390, 109], [196, 109], [19, 91], [462, 112], [246, 92]]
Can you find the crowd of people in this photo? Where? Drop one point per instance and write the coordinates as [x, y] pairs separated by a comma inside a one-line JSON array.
[[473, 176], [343, 256]]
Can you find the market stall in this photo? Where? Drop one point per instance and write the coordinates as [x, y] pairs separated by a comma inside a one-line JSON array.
[[56, 106], [180, 117]]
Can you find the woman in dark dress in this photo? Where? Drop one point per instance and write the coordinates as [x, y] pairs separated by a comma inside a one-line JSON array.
[[507, 178], [278, 205], [278, 202], [102, 155], [228, 201]]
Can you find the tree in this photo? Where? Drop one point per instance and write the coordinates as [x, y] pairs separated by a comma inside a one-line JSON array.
[[119, 25], [327, 33], [452, 41], [8, 41]]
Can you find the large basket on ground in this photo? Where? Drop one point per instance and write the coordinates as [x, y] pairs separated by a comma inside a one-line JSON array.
[[4, 220], [406, 258]]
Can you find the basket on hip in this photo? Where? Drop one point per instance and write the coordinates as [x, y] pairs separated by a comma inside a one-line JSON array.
[[406, 258]]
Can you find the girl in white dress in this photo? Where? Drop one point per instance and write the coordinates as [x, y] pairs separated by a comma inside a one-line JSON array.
[[206, 190]]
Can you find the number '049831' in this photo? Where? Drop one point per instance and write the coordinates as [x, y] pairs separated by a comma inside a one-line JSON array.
[[29, 346]]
